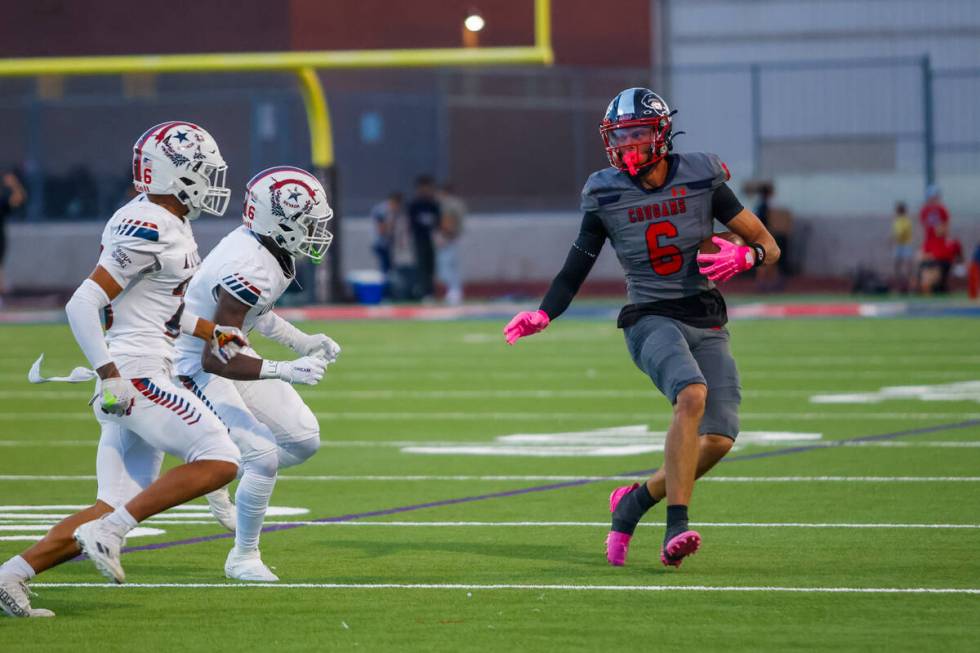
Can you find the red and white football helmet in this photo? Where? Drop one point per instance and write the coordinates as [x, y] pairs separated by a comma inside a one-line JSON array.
[[290, 206], [181, 159]]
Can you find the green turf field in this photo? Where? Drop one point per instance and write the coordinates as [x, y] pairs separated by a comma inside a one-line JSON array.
[[806, 545]]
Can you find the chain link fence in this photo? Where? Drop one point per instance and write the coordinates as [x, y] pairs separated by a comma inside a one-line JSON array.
[[838, 138]]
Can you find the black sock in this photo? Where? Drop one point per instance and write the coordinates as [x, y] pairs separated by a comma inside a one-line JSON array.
[[631, 509], [676, 521]]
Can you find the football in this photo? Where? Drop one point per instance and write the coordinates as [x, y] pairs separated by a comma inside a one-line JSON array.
[[708, 247]]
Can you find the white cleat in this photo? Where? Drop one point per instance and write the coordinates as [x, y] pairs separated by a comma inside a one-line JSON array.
[[15, 600], [101, 543], [222, 509], [248, 566]]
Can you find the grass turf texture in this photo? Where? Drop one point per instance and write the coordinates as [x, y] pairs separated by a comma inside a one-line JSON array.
[[457, 382]]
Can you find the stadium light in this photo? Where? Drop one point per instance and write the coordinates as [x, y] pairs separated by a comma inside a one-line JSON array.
[[472, 25], [474, 21]]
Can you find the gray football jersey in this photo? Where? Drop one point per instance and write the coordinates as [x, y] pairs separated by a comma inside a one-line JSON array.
[[656, 233]]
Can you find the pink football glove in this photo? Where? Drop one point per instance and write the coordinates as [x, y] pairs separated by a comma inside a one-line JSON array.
[[525, 323], [729, 261]]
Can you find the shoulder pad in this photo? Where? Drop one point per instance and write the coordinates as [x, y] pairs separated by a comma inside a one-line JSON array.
[[702, 169], [247, 286], [136, 228], [140, 226], [603, 187]]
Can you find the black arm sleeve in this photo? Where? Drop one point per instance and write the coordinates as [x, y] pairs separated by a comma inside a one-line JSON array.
[[724, 204], [591, 237]]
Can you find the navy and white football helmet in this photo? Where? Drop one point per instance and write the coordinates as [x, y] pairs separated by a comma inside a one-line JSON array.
[[637, 122]]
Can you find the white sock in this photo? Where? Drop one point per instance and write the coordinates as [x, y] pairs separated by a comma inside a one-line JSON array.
[[251, 503], [19, 568], [122, 520]]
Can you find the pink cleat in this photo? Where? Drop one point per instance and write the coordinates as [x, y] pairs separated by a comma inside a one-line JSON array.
[[679, 547], [618, 544], [618, 494]]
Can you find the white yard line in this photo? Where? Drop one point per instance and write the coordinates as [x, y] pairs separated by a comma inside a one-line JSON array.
[[562, 524], [614, 358], [559, 478], [23, 524], [373, 416], [341, 444], [532, 587], [585, 371], [69, 395], [619, 416]]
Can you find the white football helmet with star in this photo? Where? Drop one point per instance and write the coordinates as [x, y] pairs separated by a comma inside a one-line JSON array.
[[290, 206], [182, 159]]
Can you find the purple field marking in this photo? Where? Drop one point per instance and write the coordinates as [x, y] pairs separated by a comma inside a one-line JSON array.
[[553, 486], [830, 444]]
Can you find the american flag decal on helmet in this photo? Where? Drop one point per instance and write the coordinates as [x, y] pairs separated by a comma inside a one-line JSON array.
[[137, 229], [242, 288]]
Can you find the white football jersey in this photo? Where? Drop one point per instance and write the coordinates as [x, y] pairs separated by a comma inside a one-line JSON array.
[[248, 271], [151, 254]]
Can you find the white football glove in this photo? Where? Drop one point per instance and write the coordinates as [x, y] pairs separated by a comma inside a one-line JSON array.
[[307, 370], [116, 396], [226, 342], [320, 344]]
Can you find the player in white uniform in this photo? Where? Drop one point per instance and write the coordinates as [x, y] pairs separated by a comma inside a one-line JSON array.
[[148, 257], [285, 216]]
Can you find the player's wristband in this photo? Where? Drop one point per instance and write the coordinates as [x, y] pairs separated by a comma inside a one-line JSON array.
[[270, 369], [184, 321], [760, 253]]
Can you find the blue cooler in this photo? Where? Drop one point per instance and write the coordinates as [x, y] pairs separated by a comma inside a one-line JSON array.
[[368, 286]]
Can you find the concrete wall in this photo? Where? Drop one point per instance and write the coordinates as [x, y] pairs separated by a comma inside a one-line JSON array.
[[496, 248], [752, 31]]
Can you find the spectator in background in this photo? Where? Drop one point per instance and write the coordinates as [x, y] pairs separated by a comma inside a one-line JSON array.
[[939, 255], [453, 211], [12, 197], [934, 217], [903, 253], [424, 216], [767, 277], [401, 278], [939, 252], [974, 274], [383, 217]]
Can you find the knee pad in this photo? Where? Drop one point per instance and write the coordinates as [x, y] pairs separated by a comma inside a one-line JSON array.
[[263, 463], [295, 452]]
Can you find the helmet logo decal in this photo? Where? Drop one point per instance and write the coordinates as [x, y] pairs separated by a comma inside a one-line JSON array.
[[651, 101], [292, 199]]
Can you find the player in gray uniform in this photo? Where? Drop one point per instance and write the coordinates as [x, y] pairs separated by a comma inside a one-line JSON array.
[[656, 207]]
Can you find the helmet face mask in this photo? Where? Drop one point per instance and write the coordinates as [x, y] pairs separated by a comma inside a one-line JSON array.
[[289, 206], [182, 159], [636, 130]]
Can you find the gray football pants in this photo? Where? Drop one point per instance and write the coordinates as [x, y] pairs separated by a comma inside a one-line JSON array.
[[675, 355]]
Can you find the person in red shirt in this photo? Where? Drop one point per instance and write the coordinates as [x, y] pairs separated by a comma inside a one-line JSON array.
[[934, 217], [939, 255], [939, 252]]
